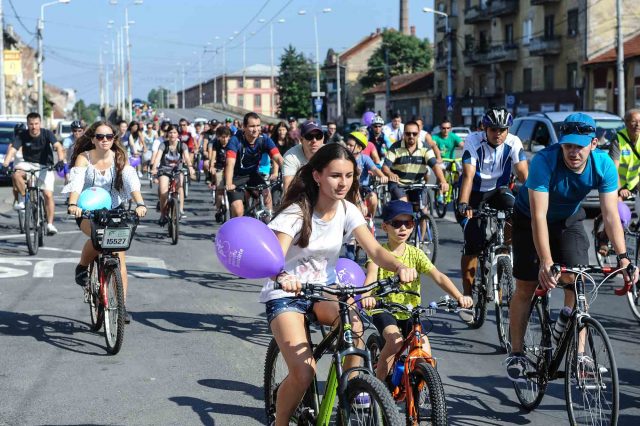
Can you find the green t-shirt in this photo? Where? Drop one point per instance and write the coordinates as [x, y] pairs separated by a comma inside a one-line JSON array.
[[447, 145], [413, 258]]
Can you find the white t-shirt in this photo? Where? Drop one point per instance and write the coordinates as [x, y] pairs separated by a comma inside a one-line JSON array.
[[394, 135], [315, 263], [293, 159]]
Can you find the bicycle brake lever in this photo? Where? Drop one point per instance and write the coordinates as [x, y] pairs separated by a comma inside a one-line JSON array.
[[631, 269]]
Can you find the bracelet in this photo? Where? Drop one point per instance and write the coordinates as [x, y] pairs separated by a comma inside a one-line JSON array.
[[72, 205], [621, 256], [141, 205]]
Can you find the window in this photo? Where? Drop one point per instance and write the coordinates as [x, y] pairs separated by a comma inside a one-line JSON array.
[[508, 81], [241, 83], [484, 43], [548, 77], [241, 101], [572, 75], [572, 22], [525, 131], [468, 43], [257, 100], [548, 26], [257, 83], [508, 34], [527, 27], [526, 79]]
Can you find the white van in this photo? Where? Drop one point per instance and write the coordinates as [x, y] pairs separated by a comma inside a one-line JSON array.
[[64, 129]]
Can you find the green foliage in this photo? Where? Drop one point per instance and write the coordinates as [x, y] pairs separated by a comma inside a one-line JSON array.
[[294, 84], [407, 54], [158, 98], [88, 114]]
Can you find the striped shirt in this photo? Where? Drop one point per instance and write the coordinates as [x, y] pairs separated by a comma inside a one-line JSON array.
[[409, 166]]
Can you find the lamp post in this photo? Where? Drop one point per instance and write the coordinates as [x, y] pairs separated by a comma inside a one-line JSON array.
[[315, 29], [273, 91], [447, 33], [39, 31], [127, 105]]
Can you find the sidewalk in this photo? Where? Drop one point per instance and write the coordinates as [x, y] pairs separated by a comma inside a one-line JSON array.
[[6, 199]]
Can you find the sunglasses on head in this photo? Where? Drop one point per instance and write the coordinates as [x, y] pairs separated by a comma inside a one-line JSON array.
[[102, 136], [397, 223], [312, 136], [576, 129]]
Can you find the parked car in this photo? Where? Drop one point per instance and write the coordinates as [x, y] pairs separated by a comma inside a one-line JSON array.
[[461, 131], [6, 138], [537, 131]]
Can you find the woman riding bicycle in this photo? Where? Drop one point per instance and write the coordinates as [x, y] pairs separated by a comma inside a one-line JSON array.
[[315, 216], [166, 160], [99, 160]]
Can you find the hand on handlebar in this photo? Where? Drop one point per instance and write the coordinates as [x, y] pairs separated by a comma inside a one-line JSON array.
[[289, 283], [383, 179], [141, 211], [230, 187], [444, 186], [624, 193], [368, 302], [465, 301], [465, 211], [394, 178], [406, 274], [548, 276], [75, 211]]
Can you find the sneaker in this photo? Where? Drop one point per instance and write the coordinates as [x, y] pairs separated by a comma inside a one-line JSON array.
[[51, 229], [163, 221], [127, 316], [466, 315], [587, 366], [516, 365], [18, 205], [362, 400], [82, 275], [183, 215]]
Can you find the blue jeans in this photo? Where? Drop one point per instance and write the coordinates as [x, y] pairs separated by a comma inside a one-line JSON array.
[[287, 304]]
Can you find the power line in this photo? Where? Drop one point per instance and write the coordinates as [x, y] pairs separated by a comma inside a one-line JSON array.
[[19, 19]]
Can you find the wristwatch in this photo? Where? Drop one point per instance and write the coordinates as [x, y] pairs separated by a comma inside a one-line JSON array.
[[621, 256]]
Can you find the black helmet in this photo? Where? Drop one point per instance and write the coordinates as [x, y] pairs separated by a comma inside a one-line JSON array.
[[77, 124], [18, 128], [497, 117]]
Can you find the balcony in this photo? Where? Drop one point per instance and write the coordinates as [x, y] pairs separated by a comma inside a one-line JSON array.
[[503, 53], [502, 8], [545, 46], [478, 57], [475, 14], [440, 23], [441, 63], [541, 2]]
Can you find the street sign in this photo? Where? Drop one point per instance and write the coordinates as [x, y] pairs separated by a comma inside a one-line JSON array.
[[317, 94], [510, 101], [318, 104], [449, 101]]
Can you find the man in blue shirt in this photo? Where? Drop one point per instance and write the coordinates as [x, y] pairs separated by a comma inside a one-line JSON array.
[[547, 221], [244, 152]]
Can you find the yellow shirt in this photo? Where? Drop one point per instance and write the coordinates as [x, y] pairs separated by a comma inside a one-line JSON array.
[[413, 258]]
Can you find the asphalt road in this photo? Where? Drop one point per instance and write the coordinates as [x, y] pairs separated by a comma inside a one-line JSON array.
[[194, 351]]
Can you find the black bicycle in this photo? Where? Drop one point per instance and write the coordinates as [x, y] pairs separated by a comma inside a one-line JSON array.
[[362, 398], [425, 233], [590, 374], [35, 213]]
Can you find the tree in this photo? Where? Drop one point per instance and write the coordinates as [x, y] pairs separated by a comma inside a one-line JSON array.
[[407, 54], [158, 97], [294, 83], [88, 114]]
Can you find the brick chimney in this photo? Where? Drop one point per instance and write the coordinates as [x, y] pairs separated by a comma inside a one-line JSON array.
[[404, 17]]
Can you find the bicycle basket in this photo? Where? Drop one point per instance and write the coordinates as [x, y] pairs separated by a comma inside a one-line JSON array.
[[116, 235]]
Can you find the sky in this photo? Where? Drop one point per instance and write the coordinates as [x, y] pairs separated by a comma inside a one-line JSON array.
[[170, 34]]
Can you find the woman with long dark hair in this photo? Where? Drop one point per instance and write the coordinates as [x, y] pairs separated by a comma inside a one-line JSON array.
[[136, 143], [281, 138], [317, 213], [99, 160]]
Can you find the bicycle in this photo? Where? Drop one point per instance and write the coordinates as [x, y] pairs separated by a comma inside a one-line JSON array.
[[197, 157], [186, 182], [425, 233], [384, 196], [452, 176], [111, 231], [420, 386], [34, 216], [222, 215], [353, 407], [494, 273], [600, 238], [171, 211], [255, 204], [590, 375]]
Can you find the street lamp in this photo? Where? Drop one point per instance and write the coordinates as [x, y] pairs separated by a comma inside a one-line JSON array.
[[39, 31], [273, 91], [315, 28], [447, 33]]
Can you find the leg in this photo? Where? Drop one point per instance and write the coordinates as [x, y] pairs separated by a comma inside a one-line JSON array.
[[89, 253], [372, 200], [519, 312], [393, 344], [19, 181], [49, 205], [289, 332], [181, 191], [123, 273], [163, 193], [268, 204]]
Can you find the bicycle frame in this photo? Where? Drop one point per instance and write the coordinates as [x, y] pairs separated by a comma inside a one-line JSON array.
[[494, 247]]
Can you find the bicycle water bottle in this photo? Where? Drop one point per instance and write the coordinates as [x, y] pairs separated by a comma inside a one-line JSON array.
[[561, 323], [398, 371]]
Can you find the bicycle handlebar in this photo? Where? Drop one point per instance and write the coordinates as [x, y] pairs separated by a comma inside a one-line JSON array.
[[557, 269], [103, 215], [389, 285], [417, 185]]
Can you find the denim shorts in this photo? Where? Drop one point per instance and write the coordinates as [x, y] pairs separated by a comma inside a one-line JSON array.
[[287, 304]]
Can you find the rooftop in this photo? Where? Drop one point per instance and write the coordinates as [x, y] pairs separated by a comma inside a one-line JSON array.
[[631, 50], [256, 70], [400, 82]]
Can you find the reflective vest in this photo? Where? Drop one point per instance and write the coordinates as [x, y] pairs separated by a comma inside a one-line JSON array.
[[629, 168]]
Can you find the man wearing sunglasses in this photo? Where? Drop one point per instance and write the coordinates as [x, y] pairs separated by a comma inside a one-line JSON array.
[[378, 138], [447, 141], [77, 130], [548, 220], [296, 157]]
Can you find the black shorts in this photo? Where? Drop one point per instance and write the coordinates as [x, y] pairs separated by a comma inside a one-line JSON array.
[[249, 180], [385, 319], [415, 196], [474, 233], [568, 241]]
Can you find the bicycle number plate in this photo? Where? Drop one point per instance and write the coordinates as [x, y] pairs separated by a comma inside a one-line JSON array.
[[115, 238], [501, 215], [630, 242]]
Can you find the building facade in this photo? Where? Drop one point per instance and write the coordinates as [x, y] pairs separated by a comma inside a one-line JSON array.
[[528, 55]]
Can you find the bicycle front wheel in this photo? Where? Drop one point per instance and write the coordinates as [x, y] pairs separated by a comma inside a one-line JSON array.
[[503, 300], [479, 295], [368, 403], [31, 222], [96, 309], [21, 220], [429, 401], [174, 221], [633, 297], [426, 237], [42, 221], [591, 377], [114, 311]]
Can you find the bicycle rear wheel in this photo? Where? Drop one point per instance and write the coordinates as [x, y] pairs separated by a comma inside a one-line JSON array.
[[503, 300], [96, 309], [21, 220], [479, 295], [537, 350], [430, 403], [185, 185], [633, 297], [591, 377], [174, 221], [426, 237], [368, 403], [31, 221], [114, 311]]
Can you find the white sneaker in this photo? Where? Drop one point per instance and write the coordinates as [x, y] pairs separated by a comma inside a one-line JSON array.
[[18, 205], [140, 174], [51, 229]]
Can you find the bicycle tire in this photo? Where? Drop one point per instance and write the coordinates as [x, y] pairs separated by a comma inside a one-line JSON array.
[[479, 296], [441, 206], [429, 242], [174, 220], [185, 185], [428, 391], [537, 350], [42, 212], [381, 409], [114, 311], [276, 197], [374, 346], [502, 302], [96, 308], [582, 377], [21, 220], [31, 222], [454, 196], [633, 298]]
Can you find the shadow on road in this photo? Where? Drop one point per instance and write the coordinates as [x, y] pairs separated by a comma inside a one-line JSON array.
[[216, 280], [57, 331], [207, 410]]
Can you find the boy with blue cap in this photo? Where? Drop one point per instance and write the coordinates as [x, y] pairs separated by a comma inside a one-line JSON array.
[[547, 222], [398, 223]]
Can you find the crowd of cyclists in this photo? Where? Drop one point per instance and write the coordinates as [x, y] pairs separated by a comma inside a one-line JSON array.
[[326, 194]]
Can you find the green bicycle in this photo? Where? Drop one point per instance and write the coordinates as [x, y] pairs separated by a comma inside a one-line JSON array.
[[452, 176]]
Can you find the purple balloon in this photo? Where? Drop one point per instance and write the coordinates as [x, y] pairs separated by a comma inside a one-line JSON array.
[[134, 161], [201, 165], [625, 214], [61, 173], [248, 248], [349, 272], [367, 118]]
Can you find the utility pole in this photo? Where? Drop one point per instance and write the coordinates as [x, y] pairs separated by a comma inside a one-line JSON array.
[[339, 111], [184, 92], [200, 79], [620, 60], [273, 89], [215, 78], [244, 61], [129, 83], [101, 80], [3, 98], [224, 74], [40, 74], [388, 91]]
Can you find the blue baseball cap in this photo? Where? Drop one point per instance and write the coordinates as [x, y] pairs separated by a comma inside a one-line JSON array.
[[578, 129], [396, 208]]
